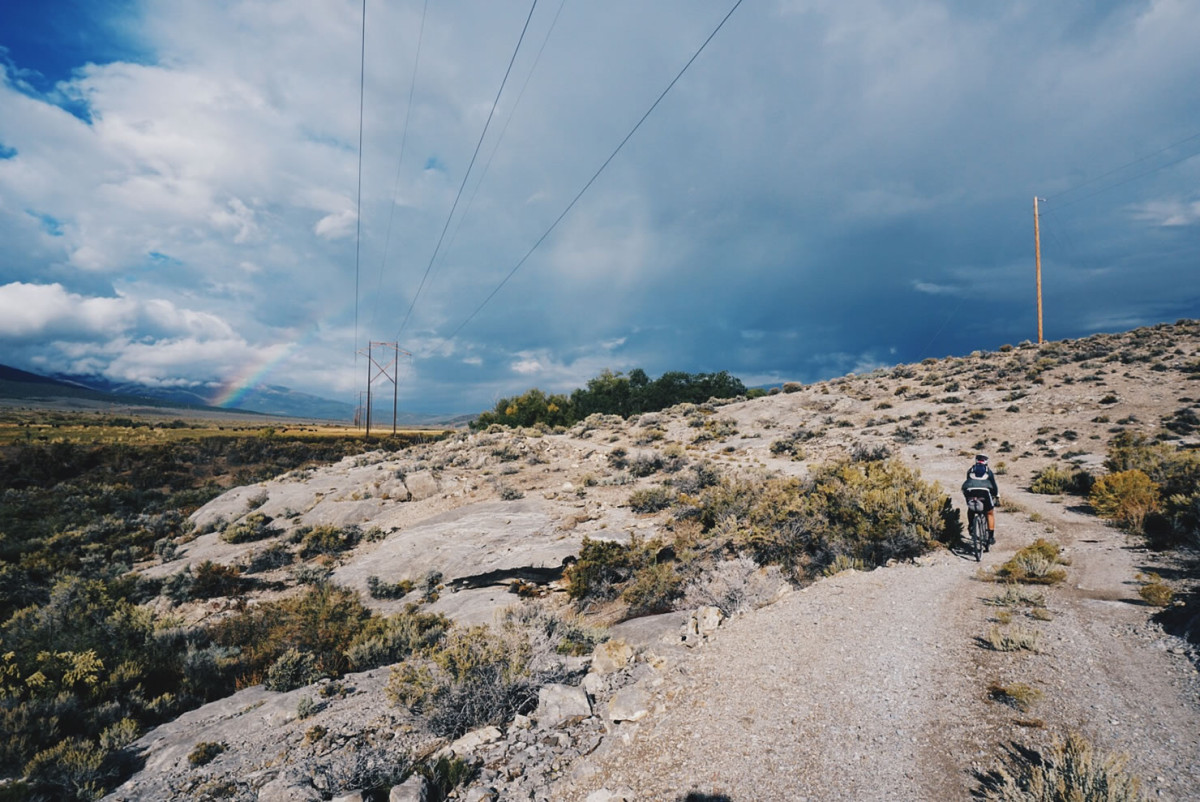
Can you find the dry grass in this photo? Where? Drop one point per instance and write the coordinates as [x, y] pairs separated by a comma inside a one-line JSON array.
[[1013, 639], [1017, 695], [1069, 770]]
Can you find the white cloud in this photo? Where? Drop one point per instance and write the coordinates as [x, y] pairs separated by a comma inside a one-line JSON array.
[[1168, 213], [335, 226], [38, 311], [528, 366], [932, 288]]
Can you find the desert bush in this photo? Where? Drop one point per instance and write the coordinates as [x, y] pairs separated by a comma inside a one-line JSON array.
[[1035, 564], [254, 526], [306, 707], [73, 769], [791, 445], [602, 565], [843, 563], [733, 586], [651, 499], [870, 453], [1012, 639], [205, 752], [696, 478], [322, 540], [509, 493], [383, 641], [378, 589], [1154, 591], [321, 623], [1069, 771], [551, 633], [1015, 595], [212, 580], [1017, 695], [476, 677], [292, 669], [653, 589], [274, 556], [1126, 497], [1053, 480], [645, 463]]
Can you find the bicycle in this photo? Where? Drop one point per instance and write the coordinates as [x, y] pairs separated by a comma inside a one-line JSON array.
[[977, 515]]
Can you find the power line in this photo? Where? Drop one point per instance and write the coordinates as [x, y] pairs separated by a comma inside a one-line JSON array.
[[596, 175], [1122, 167], [500, 138], [400, 161], [1132, 178], [462, 186], [362, 83]]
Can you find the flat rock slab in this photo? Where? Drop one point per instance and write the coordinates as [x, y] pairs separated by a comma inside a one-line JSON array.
[[471, 541]]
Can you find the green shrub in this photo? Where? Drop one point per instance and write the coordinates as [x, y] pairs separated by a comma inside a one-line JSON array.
[[1013, 639], [292, 669], [1069, 771], [322, 540], [383, 641], [1053, 480], [253, 527], [205, 752], [378, 589], [1126, 497], [71, 769], [445, 774], [1035, 564], [212, 580], [475, 678], [272, 557], [1154, 591], [653, 589], [600, 567], [321, 624], [651, 499]]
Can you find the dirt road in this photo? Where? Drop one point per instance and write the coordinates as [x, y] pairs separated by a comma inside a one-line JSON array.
[[874, 686]]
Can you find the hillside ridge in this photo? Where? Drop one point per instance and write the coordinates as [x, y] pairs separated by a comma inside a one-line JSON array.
[[757, 703]]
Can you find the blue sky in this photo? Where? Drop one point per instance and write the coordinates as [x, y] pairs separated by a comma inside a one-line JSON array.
[[832, 186]]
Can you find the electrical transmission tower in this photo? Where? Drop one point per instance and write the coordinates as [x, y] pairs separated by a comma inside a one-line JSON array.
[[383, 368]]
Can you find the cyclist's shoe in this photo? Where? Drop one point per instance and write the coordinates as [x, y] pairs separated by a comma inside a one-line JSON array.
[[991, 537]]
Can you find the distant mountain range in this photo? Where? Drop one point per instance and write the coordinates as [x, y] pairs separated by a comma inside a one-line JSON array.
[[16, 384], [267, 400]]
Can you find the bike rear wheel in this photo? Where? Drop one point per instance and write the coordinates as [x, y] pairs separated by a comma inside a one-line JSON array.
[[978, 536]]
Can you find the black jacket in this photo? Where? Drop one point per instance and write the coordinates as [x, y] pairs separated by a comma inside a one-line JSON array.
[[985, 482]]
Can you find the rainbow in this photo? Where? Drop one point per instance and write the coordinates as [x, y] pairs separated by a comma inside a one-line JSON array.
[[241, 384]]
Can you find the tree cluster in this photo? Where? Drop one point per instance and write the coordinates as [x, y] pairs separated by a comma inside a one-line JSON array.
[[611, 394]]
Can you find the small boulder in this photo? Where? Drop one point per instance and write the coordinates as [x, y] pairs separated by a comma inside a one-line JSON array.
[[287, 789], [471, 741], [414, 789], [561, 703], [422, 485], [701, 625], [611, 656], [629, 704]]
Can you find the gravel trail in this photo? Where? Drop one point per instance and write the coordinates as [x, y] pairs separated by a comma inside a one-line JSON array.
[[873, 686]]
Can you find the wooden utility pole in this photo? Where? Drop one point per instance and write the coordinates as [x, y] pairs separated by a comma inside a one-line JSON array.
[[1037, 250]]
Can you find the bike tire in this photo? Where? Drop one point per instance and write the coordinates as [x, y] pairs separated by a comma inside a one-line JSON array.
[[978, 537]]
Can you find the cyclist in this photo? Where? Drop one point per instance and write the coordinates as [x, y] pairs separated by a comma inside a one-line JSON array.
[[981, 482]]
